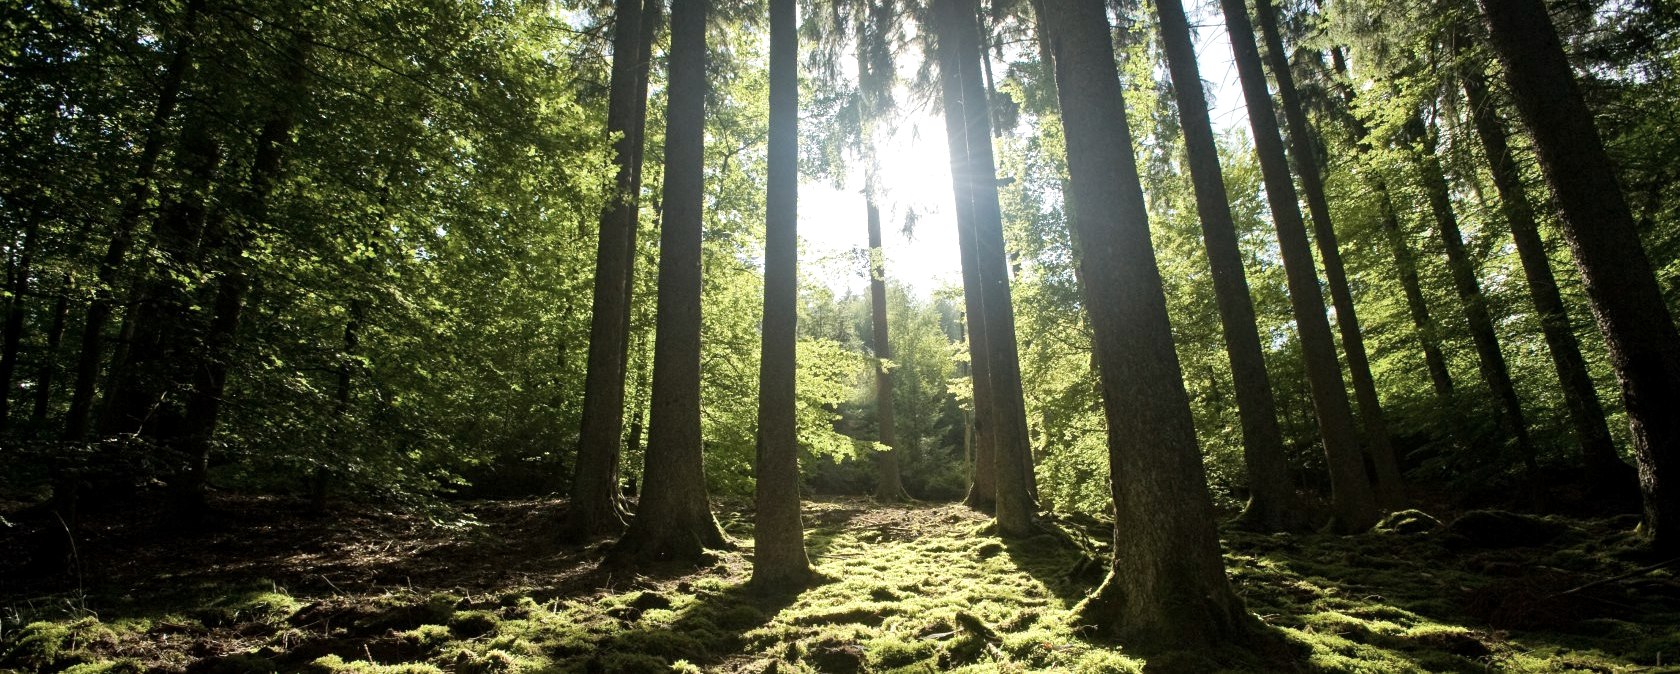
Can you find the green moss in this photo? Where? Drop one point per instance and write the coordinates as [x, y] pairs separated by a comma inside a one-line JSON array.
[[333, 664], [123, 666], [472, 624], [51, 646]]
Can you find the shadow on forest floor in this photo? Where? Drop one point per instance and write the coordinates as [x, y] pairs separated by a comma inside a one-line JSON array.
[[912, 588]]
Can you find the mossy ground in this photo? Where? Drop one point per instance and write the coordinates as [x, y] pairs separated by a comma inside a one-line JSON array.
[[914, 588]]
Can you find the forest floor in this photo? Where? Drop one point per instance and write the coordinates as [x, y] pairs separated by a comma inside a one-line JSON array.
[[914, 588]]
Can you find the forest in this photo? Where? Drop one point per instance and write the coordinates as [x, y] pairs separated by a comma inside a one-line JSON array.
[[750, 336]]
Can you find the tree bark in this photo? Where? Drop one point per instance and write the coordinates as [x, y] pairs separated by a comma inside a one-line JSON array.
[[1167, 587], [982, 493], [49, 361], [1489, 357], [1626, 299], [1606, 475], [1015, 510], [779, 561], [595, 507], [889, 484], [1272, 505], [674, 519], [1390, 491], [1352, 500]]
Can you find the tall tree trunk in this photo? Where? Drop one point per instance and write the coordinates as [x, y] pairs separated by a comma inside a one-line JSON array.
[[1390, 492], [779, 561], [1489, 357], [1167, 587], [1626, 299], [229, 239], [595, 507], [982, 493], [1271, 505], [49, 360], [1606, 475], [79, 419], [1354, 505], [1016, 512], [1428, 332], [889, 484], [674, 520], [13, 339]]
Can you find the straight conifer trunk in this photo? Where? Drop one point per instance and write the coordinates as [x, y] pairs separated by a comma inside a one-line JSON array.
[[1353, 504], [595, 507], [1271, 504], [1016, 512], [1167, 587], [1390, 492], [1626, 299], [674, 518], [1490, 358], [982, 494], [1606, 474], [779, 561], [889, 484]]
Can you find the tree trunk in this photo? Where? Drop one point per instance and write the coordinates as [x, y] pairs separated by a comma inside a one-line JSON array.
[[1271, 505], [80, 417], [1429, 336], [779, 561], [982, 493], [1606, 475], [1390, 491], [49, 361], [595, 508], [674, 520], [1167, 587], [889, 485], [1489, 357], [13, 338], [1626, 299], [1354, 505], [1016, 512]]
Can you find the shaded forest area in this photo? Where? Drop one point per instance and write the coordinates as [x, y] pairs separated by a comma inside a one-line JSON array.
[[406, 337]]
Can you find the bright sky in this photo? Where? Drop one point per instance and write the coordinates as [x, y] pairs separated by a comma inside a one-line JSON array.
[[916, 175]]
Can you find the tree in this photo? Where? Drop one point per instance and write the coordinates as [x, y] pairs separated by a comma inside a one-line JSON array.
[[1626, 299], [1167, 586], [1606, 475], [779, 561], [889, 485], [1351, 495], [957, 29], [1271, 505], [1390, 492], [674, 518], [595, 507], [1490, 359]]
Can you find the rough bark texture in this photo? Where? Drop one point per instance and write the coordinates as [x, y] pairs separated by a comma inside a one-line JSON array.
[[1167, 587], [674, 518], [779, 561], [889, 484], [1271, 504], [1626, 299], [1390, 491], [1490, 358], [595, 507], [1352, 500], [982, 494], [1606, 474], [1016, 512]]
